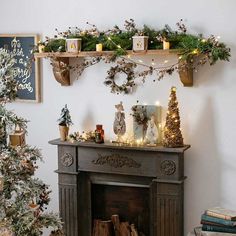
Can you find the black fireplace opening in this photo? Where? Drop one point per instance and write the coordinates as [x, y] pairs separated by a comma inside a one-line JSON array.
[[131, 203]]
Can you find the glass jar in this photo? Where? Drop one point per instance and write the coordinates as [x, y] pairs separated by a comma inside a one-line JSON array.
[[99, 134]]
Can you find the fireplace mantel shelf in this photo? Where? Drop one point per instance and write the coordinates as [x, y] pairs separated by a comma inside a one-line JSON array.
[[147, 181], [109, 145]]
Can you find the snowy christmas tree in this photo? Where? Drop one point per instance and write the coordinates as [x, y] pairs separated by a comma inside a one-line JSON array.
[[23, 198]]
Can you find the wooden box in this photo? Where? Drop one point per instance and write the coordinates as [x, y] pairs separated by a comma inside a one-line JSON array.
[[140, 43]]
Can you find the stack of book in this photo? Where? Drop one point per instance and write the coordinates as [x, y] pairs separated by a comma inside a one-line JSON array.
[[219, 219]]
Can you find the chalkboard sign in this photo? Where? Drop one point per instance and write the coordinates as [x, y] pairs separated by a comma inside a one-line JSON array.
[[28, 76]]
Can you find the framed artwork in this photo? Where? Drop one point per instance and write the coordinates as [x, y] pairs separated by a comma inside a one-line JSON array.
[[142, 114], [27, 72]]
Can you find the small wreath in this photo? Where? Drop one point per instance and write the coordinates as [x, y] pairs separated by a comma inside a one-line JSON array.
[[126, 87]]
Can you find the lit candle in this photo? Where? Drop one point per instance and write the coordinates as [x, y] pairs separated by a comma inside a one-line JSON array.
[[138, 142], [41, 48], [1, 183], [166, 45], [99, 47]]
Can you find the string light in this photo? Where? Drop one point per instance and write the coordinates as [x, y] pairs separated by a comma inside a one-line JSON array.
[[140, 61], [195, 51], [118, 46], [166, 61]]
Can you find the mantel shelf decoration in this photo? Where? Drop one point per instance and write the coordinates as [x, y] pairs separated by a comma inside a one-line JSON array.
[[123, 46]]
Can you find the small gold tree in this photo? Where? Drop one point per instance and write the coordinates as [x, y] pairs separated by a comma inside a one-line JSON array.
[[172, 133]]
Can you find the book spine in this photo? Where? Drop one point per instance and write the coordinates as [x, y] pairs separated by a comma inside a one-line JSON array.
[[218, 215], [218, 220], [204, 222], [218, 229]]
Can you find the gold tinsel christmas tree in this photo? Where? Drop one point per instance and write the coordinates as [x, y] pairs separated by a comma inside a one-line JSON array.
[[172, 133]]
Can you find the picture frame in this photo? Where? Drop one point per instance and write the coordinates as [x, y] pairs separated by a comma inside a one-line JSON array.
[[139, 130], [29, 78]]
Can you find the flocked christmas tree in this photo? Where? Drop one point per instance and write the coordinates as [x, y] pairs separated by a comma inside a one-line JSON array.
[[23, 198], [172, 132]]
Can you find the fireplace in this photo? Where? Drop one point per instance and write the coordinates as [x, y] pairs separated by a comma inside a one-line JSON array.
[[143, 185], [131, 204]]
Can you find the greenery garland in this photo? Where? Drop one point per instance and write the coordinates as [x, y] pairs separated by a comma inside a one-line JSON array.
[[187, 44], [194, 49]]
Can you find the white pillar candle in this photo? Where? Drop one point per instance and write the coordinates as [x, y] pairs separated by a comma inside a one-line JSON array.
[[99, 47], [166, 45]]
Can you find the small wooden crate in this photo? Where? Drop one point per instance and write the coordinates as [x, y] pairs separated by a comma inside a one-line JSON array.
[[140, 43], [17, 139]]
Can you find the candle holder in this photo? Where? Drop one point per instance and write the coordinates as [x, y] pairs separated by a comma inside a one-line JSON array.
[[140, 43], [99, 47], [166, 45], [41, 48], [73, 45]]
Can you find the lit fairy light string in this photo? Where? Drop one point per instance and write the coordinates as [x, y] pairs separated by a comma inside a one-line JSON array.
[[140, 62]]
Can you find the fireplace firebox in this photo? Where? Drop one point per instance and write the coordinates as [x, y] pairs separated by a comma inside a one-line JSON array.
[[143, 185]]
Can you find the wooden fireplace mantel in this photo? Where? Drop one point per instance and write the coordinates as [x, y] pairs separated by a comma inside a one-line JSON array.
[[158, 169]]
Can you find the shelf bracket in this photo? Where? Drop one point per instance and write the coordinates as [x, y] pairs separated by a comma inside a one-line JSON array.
[[60, 66], [186, 73]]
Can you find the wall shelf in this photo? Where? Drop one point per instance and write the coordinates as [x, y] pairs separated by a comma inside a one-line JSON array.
[[60, 63]]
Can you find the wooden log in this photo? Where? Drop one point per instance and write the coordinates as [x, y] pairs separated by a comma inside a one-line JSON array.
[[116, 224], [95, 227], [125, 229], [103, 228], [134, 232]]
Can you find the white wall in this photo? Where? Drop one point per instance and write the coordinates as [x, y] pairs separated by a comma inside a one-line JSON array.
[[208, 110]]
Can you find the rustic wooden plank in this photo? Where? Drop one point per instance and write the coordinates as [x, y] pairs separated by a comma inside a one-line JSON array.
[[159, 52]]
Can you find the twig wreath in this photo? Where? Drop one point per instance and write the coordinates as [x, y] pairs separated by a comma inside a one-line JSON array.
[[193, 50], [122, 67]]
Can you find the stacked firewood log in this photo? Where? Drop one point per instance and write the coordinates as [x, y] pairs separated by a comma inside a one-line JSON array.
[[114, 227]]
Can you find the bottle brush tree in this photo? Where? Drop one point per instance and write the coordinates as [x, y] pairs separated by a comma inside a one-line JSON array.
[[64, 123], [172, 132]]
